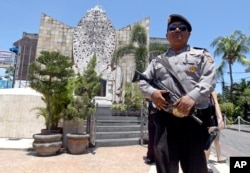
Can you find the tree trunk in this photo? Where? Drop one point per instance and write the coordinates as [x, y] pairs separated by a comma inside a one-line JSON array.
[[231, 82]]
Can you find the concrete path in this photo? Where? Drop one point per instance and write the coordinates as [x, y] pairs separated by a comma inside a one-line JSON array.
[[15, 157]]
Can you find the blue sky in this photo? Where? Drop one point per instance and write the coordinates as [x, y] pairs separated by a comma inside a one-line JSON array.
[[209, 19]]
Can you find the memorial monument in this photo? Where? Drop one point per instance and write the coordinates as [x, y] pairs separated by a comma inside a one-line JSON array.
[[93, 35]]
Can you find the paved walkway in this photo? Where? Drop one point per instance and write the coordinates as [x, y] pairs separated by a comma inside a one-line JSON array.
[[15, 157]]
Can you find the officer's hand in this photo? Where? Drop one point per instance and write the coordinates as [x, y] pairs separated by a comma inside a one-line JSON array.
[[185, 104], [158, 99]]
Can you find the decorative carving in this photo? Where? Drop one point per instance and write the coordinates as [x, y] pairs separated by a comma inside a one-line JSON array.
[[94, 34]]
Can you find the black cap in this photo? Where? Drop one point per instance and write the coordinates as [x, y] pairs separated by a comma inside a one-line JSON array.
[[179, 18]]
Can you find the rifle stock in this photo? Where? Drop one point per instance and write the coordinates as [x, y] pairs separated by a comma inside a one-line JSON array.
[[169, 96]]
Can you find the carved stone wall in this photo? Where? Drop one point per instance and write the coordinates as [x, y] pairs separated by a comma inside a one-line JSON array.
[[94, 33], [54, 36]]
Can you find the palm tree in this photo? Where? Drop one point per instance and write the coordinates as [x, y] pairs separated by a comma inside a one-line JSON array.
[[156, 49], [137, 47], [233, 48], [241, 91]]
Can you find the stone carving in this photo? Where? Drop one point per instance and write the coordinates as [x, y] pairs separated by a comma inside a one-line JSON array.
[[94, 34]]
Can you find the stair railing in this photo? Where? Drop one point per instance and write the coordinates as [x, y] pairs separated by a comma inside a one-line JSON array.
[[91, 126], [144, 123]]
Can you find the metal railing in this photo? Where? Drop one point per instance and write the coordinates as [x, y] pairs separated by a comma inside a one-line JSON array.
[[144, 123], [239, 124], [91, 126]]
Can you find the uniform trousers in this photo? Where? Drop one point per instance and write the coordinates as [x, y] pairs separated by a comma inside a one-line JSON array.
[[151, 136], [180, 141]]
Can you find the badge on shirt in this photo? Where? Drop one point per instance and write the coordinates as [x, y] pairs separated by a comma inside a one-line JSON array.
[[192, 69]]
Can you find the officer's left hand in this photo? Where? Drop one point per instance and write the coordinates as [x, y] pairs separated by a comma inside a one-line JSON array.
[[185, 104], [158, 99]]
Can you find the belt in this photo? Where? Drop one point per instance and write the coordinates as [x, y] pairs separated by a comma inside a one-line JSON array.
[[202, 111]]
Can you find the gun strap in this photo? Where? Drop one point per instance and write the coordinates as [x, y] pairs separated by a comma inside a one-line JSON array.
[[165, 63]]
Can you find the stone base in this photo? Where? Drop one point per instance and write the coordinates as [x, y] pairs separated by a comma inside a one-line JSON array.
[[47, 145], [103, 106]]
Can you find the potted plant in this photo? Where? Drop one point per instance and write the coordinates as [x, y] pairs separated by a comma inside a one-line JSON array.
[[49, 74], [85, 86], [118, 109], [132, 102], [133, 99], [75, 138]]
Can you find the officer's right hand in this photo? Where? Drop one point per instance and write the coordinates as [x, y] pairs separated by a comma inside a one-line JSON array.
[[185, 104], [158, 99]]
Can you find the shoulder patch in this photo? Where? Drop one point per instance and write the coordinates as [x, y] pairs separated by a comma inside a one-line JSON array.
[[200, 48], [196, 51], [192, 52], [209, 58]]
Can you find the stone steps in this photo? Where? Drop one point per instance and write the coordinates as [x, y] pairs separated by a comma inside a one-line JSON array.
[[108, 128], [117, 142], [117, 131]]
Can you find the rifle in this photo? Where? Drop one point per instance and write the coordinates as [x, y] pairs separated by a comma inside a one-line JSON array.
[[169, 96]]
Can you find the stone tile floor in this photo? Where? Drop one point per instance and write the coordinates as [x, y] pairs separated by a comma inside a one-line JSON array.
[[125, 159], [17, 156]]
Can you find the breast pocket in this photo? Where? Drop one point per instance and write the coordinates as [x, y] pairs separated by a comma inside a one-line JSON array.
[[161, 72]]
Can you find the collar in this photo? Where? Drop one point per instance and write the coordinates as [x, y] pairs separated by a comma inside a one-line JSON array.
[[186, 48]]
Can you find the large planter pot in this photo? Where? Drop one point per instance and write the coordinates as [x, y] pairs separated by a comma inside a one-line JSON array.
[[47, 144], [71, 126], [77, 143], [46, 131]]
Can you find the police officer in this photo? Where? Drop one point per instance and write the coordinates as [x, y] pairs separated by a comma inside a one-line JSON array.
[[181, 140]]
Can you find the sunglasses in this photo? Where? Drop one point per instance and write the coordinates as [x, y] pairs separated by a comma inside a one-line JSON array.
[[173, 27]]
